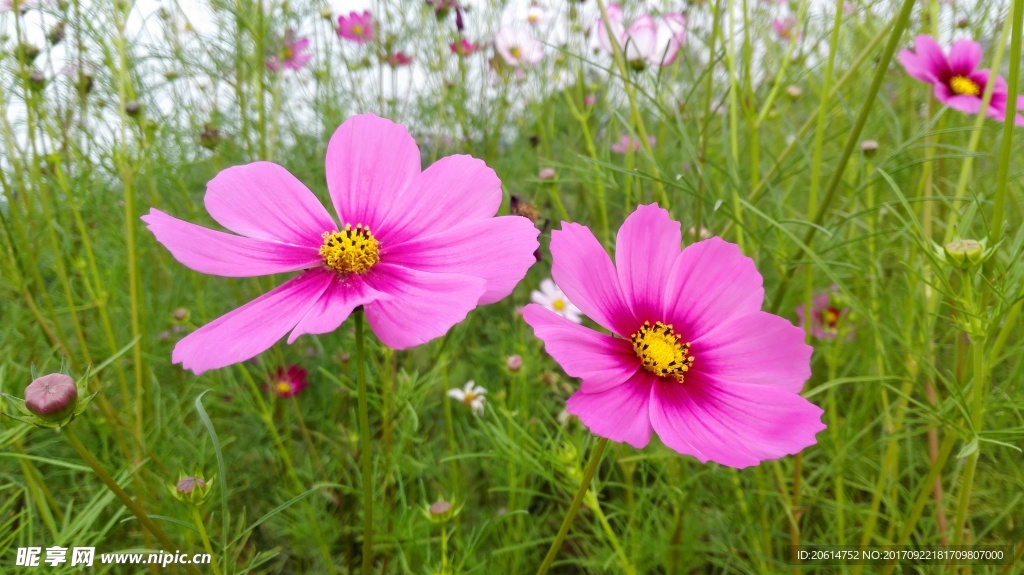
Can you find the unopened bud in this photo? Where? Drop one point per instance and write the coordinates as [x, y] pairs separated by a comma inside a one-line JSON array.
[[965, 253], [514, 362], [52, 397], [132, 107], [546, 174], [794, 92], [869, 147]]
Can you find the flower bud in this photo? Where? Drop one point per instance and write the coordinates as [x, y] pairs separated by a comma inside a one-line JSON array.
[[37, 81], [514, 362], [191, 489], [441, 512], [965, 253], [546, 174], [794, 92], [180, 314], [56, 33], [869, 147], [52, 397]]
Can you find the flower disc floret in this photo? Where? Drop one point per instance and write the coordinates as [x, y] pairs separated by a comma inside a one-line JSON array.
[[353, 250]]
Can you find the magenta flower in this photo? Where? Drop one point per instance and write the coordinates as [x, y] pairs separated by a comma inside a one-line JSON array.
[[357, 27], [399, 59], [627, 143], [646, 40], [463, 47], [692, 356], [288, 383], [826, 318], [418, 250], [518, 47], [293, 54], [957, 81]]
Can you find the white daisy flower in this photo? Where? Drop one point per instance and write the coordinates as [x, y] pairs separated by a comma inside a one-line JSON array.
[[472, 395], [551, 297]]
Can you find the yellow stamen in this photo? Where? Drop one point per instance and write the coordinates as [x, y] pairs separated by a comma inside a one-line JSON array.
[[468, 400], [283, 387], [357, 29], [831, 318], [558, 304], [964, 86], [661, 352], [516, 52], [353, 250]]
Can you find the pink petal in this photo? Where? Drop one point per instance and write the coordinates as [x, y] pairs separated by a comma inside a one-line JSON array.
[[499, 250], [671, 35], [453, 191], [216, 253], [601, 361], [370, 163], [585, 273], [711, 283], [619, 413], [263, 200], [643, 37], [917, 67], [246, 332], [617, 29], [647, 245], [423, 305], [964, 57], [732, 424], [758, 348], [345, 294], [932, 57]]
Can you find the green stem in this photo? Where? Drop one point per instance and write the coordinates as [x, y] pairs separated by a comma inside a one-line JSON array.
[[588, 475], [852, 140], [114, 488], [1002, 175], [364, 442], [206, 539]]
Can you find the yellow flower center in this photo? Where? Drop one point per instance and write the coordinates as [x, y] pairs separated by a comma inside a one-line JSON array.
[[558, 304], [470, 396], [353, 250], [964, 86], [283, 387], [831, 317], [357, 29], [661, 352], [288, 53], [516, 52]]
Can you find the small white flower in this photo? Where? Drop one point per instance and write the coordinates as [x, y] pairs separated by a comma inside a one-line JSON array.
[[471, 395], [551, 297]]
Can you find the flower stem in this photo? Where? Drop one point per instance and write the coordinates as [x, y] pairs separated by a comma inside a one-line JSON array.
[[206, 539], [114, 488], [364, 442], [588, 474]]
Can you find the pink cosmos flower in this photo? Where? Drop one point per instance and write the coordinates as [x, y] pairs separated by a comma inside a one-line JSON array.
[[288, 383], [647, 39], [518, 47], [691, 355], [463, 47], [957, 81], [399, 59], [357, 27], [416, 249], [826, 319], [785, 28], [627, 143], [293, 54]]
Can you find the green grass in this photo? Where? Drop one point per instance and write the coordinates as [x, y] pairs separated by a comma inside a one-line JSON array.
[[924, 402]]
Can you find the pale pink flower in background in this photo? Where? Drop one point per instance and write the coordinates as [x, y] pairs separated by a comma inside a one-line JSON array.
[[552, 298], [956, 80], [647, 39], [399, 59], [627, 143], [826, 319], [293, 54], [785, 28], [358, 28], [472, 396], [690, 356], [417, 249], [589, 100], [518, 47]]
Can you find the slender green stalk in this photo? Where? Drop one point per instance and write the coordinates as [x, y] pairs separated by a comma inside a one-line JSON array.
[[852, 141], [588, 475], [366, 457], [114, 488], [198, 519], [1006, 151]]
